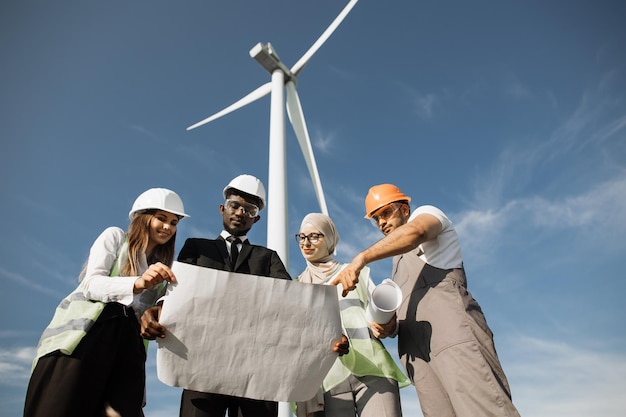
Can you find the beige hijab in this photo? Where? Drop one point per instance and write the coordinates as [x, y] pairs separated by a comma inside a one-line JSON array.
[[323, 269]]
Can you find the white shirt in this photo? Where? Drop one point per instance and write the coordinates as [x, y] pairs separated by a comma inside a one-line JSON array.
[[99, 286], [444, 251], [226, 235]]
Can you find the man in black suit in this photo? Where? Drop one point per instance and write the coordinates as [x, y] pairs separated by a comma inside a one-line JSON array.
[[231, 251]]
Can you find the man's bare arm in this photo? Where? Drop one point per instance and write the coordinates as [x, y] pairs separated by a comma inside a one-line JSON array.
[[405, 238]]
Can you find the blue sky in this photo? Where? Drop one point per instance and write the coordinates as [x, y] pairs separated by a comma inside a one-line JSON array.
[[509, 116]]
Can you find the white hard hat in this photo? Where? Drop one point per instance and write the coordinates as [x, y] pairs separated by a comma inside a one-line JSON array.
[[158, 199], [248, 184]]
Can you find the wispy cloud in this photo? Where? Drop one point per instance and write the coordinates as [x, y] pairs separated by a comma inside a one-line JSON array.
[[145, 132], [343, 74], [518, 164], [516, 200], [15, 365], [606, 201], [322, 141], [482, 231], [54, 262], [425, 105], [513, 87], [205, 156], [48, 269], [20, 279], [550, 378], [553, 378]]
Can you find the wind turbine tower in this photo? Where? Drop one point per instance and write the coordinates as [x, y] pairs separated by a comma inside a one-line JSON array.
[[283, 78]]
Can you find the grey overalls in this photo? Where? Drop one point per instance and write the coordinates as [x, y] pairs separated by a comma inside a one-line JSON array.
[[445, 344]]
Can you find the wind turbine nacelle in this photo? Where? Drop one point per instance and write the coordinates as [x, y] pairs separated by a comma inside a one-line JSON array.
[[265, 55]]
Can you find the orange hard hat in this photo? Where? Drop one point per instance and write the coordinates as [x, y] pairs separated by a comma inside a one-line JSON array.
[[381, 195]]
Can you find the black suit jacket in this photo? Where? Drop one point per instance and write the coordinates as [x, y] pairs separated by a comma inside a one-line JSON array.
[[252, 259]]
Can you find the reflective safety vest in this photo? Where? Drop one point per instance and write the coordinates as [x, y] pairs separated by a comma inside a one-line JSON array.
[[367, 354], [74, 316]]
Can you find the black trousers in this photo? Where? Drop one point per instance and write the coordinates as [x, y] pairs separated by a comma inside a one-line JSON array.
[[202, 404], [107, 368]]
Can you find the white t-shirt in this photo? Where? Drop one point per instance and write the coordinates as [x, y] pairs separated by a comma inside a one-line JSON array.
[[443, 252]]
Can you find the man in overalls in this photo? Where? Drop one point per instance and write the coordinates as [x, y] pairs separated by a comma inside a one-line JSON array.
[[444, 341]]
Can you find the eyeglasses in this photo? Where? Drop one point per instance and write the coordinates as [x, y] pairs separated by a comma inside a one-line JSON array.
[[385, 214], [313, 237], [249, 210]]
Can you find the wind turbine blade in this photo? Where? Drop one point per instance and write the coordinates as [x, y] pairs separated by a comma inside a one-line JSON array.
[[260, 92], [296, 117], [320, 41]]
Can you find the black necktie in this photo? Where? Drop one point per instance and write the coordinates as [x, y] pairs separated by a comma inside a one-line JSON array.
[[234, 250]]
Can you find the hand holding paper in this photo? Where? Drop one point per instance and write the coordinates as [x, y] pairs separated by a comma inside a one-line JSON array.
[[381, 331], [150, 326], [343, 347]]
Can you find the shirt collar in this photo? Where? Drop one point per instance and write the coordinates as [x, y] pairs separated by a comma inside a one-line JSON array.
[[225, 234]]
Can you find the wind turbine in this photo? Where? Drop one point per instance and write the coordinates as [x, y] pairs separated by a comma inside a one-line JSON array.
[[283, 79]]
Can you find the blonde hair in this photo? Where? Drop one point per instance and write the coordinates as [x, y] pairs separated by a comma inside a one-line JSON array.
[[138, 239], [138, 236]]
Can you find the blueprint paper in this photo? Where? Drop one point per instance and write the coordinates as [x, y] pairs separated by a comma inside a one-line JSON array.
[[247, 336]]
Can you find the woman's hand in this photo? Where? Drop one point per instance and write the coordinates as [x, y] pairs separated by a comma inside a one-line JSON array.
[[154, 275]]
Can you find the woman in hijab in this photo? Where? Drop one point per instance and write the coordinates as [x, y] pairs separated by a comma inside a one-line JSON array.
[[366, 381]]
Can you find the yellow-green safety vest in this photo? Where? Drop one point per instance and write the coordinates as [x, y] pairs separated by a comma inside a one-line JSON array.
[[74, 316], [367, 355]]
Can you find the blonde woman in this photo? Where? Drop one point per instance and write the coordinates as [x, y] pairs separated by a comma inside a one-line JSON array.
[[91, 357]]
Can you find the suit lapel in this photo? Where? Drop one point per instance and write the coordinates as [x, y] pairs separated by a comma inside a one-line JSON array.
[[221, 246]]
